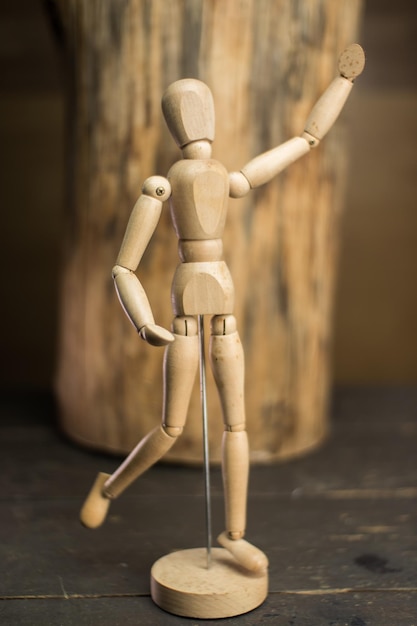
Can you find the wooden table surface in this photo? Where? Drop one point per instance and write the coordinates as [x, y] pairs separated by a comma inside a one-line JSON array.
[[339, 526]]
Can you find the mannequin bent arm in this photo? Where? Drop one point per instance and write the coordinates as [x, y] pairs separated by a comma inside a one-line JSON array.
[[141, 226]]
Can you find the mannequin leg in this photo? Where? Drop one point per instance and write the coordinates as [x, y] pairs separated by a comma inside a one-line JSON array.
[[180, 367], [227, 361]]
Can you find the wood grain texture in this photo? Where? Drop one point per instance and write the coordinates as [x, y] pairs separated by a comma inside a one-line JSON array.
[[266, 64], [354, 609], [338, 525], [181, 584]]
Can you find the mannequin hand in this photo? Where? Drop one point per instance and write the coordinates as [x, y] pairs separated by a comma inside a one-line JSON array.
[[156, 335], [352, 62]]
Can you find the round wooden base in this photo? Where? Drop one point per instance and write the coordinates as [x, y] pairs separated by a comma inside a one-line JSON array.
[[182, 584]]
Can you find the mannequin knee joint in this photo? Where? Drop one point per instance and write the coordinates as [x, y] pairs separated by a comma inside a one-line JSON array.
[[185, 326], [223, 324], [235, 428]]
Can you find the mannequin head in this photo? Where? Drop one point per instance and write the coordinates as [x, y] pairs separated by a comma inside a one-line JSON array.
[[188, 109]]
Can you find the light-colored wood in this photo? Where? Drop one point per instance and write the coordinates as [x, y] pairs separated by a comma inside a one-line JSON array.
[[262, 168], [200, 250], [327, 110], [141, 226], [227, 362], [132, 297], [189, 111], [182, 584], [200, 198], [180, 369], [250, 557], [119, 73], [96, 505], [199, 188], [148, 451], [235, 464], [352, 62], [142, 223], [202, 286], [136, 305]]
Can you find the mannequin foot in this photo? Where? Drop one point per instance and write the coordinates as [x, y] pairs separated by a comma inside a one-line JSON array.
[[96, 505], [249, 557]]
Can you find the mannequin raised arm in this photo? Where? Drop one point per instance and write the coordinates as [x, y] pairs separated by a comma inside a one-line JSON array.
[[264, 167], [141, 226]]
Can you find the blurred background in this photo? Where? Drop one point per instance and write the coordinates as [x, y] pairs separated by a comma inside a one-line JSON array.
[[375, 325]]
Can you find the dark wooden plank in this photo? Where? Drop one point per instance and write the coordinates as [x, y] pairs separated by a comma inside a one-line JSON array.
[[370, 406], [341, 609], [312, 544], [53, 470], [340, 520], [371, 447]]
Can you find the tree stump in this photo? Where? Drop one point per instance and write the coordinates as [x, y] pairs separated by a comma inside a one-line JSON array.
[[266, 63]]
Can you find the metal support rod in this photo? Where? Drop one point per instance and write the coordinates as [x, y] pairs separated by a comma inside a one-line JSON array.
[[203, 396]]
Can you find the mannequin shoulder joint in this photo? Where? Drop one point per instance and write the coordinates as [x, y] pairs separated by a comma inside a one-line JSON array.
[[157, 187]]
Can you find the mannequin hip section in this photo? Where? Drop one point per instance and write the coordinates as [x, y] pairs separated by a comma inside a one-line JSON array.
[[202, 288]]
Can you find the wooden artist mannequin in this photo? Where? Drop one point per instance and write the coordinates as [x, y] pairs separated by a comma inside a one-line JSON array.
[[198, 189]]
